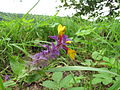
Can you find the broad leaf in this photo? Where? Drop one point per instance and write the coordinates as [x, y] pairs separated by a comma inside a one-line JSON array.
[[106, 59], [76, 88], [16, 66], [65, 83], [96, 80], [96, 56], [112, 60], [107, 81], [103, 75], [57, 76], [50, 84], [33, 77]]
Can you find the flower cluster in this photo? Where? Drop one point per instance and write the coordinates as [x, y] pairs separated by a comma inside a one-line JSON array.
[[54, 50]]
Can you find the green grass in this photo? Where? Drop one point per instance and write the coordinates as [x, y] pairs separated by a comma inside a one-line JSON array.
[[97, 45]]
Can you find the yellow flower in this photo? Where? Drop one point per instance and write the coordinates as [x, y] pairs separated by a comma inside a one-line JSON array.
[[68, 42], [61, 29], [71, 53]]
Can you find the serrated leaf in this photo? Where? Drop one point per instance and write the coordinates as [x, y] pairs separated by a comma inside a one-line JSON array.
[[65, 83], [57, 76], [50, 84], [96, 80]]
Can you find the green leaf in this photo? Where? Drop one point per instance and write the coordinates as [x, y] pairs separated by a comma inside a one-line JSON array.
[[115, 86], [33, 77], [83, 32], [74, 68], [76, 88], [28, 21], [99, 57], [107, 80], [9, 88], [16, 66], [50, 84], [77, 79], [9, 83], [103, 75], [65, 83], [1, 84], [56, 75], [76, 39], [105, 63], [98, 75], [106, 59], [112, 60], [96, 56], [42, 24], [96, 80], [54, 24], [117, 78], [87, 62], [15, 45]]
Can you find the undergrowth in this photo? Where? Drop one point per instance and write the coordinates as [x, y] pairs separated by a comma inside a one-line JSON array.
[[96, 43]]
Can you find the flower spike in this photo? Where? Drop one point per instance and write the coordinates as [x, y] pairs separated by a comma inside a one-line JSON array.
[[53, 50]]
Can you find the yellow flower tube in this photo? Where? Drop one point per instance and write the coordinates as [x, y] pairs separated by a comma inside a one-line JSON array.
[[68, 42], [71, 53], [61, 30]]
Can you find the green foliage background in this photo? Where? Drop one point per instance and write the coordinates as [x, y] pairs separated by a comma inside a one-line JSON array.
[[97, 45]]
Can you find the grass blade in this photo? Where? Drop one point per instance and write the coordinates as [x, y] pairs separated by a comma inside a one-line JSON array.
[[21, 49], [115, 86], [74, 68]]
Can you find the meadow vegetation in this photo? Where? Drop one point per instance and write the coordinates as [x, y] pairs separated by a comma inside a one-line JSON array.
[[96, 65]]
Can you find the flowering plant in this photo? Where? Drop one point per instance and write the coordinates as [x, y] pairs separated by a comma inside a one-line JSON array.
[[54, 50]]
